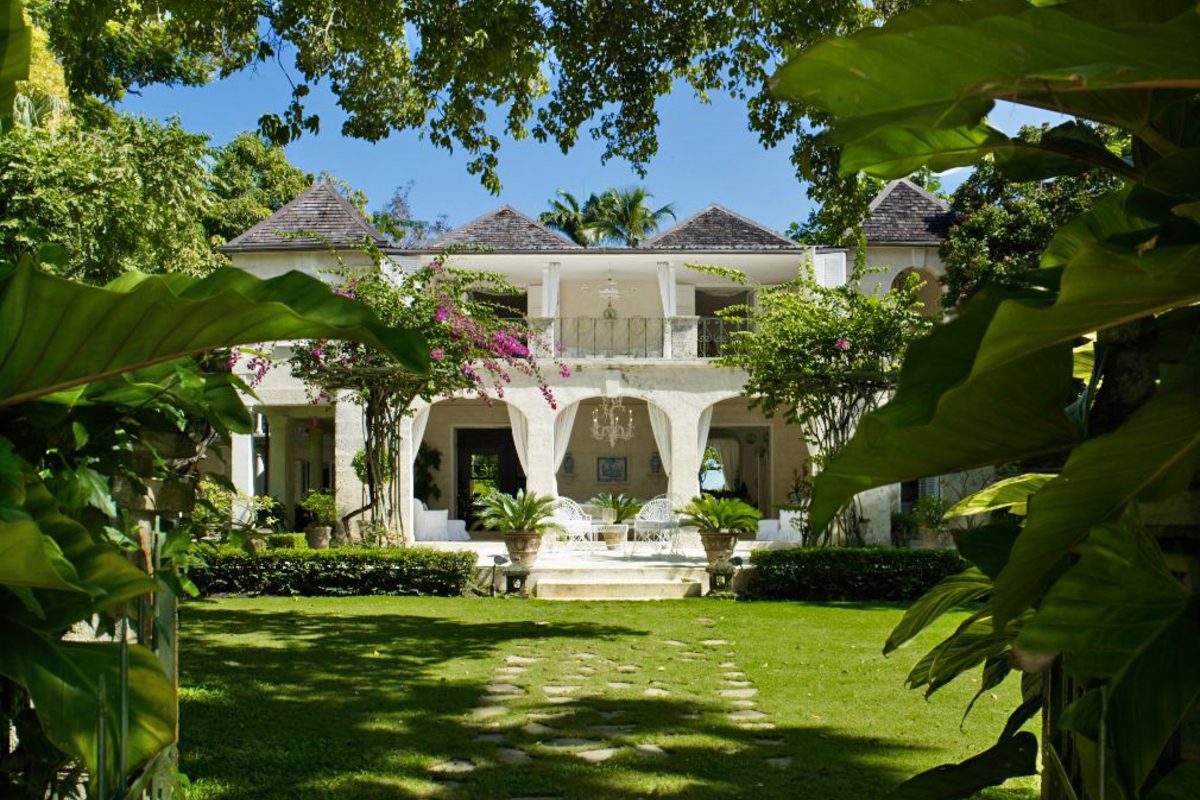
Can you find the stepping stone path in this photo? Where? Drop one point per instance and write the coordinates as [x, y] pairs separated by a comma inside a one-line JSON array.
[[586, 676]]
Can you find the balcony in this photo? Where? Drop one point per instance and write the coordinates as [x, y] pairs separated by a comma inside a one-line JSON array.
[[634, 337]]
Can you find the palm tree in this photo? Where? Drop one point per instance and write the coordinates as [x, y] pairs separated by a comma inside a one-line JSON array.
[[569, 217], [622, 215]]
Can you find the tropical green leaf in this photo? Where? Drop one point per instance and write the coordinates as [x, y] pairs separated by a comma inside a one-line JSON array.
[[943, 419], [15, 43], [988, 546], [973, 643], [140, 320], [895, 152], [1008, 759], [1181, 783], [1120, 613], [1154, 453], [1031, 704], [947, 594], [959, 59], [62, 679], [1009, 493]]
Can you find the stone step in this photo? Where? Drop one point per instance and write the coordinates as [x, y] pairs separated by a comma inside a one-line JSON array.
[[620, 573], [641, 589]]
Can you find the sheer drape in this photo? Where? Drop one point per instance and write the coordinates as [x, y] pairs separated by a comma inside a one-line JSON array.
[[729, 450], [660, 424], [520, 434], [420, 421], [564, 423]]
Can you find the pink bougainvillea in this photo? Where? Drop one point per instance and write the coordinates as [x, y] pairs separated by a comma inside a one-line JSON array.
[[842, 344]]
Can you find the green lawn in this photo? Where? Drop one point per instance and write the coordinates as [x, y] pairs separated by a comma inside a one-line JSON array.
[[383, 697]]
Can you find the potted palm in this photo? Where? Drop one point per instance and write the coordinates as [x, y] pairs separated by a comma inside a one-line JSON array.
[[523, 519], [719, 522], [617, 509], [323, 508]]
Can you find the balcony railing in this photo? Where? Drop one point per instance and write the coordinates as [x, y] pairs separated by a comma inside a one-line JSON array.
[[634, 337]]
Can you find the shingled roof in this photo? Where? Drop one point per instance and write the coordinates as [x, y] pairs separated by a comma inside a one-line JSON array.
[[504, 229], [904, 213], [318, 218], [717, 228]]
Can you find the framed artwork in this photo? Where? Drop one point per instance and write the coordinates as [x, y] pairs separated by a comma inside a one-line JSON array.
[[612, 469]]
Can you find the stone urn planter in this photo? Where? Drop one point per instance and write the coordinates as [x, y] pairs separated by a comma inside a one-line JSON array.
[[523, 547], [718, 545], [318, 536], [614, 536]]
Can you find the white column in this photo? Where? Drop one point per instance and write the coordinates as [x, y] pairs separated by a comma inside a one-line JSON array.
[[408, 449], [348, 439], [684, 482], [279, 466], [241, 466], [539, 472]]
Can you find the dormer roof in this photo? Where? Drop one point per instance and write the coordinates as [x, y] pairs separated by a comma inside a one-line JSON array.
[[319, 218], [905, 214], [503, 230], [715, 227]]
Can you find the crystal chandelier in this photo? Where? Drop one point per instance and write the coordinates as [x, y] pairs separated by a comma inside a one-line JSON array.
[[612, 422]]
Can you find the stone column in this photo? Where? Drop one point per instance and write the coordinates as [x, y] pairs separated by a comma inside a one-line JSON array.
[[348, 438], [241, 467], [279, 472], [539, 467], [684, 337], [684, 483], [408, 449]]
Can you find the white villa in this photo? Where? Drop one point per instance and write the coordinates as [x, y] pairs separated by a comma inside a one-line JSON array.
[[634, 324]]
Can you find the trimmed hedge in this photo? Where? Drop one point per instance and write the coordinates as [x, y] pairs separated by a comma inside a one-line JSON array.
[[833, 573], [338, 572], [287, 541]]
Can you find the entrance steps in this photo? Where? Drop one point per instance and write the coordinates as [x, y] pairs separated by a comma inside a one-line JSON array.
[[616, 588]]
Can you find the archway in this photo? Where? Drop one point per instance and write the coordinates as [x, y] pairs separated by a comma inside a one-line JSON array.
[[930, 293], [633, 466]]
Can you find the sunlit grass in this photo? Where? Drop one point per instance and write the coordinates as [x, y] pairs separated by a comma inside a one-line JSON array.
[[361, 697]]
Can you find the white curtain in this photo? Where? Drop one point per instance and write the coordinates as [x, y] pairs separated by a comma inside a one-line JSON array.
[[666, 289], [729, 450], [520, 434], [420, 421], [705, 424], [564, 423], [551, 276], [660, 424]]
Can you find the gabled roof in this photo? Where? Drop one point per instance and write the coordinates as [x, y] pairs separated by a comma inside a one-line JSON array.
[[717, 228], [319, 218], [904, 213], [504, 229]]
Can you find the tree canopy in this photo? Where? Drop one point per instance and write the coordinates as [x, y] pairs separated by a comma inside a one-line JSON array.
[[463, 73], [618, 216]]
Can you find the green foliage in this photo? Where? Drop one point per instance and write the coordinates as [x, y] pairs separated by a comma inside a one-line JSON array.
[[286, 541], [1002, 227], [427, 462], [15, 43], [249, 178], [340, 572], [322, 506], [526, 512], [824, 356], [1079, 576], [1008, 494], [616, 216], [929, 511], [623, 507], [818, 574], [719, 515], [44, 353]]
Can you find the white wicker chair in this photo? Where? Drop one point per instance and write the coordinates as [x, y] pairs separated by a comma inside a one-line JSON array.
[[574, 521], [656, 523]]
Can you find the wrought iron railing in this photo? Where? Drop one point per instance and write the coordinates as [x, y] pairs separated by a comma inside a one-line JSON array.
[[598, 337], [714, 334]]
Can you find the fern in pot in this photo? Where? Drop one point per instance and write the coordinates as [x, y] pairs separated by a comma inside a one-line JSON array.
[[323, 508], [523, 518], [719, 521], [617, 510]]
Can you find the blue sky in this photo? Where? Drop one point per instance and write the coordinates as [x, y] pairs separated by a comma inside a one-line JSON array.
[[706, 154]]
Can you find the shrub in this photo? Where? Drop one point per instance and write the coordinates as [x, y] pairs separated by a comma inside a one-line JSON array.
[[808, 573], [339, 572], [286, 541]]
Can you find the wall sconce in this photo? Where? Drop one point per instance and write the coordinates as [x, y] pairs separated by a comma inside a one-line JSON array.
[[568, 465], [656, 464]]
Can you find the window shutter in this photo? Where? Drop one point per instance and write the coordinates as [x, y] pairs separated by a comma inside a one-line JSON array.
[[929, 487], [831, 269]]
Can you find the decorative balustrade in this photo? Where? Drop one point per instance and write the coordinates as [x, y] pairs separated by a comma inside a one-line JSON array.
[[633, 337]]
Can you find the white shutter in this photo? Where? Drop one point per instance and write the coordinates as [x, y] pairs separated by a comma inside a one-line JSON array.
[[831, 269], [930, 487]]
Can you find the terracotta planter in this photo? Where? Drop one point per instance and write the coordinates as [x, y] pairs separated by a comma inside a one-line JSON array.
[[317, 536], [718, 545], [931, 538], [522, 547], [614, 536]]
